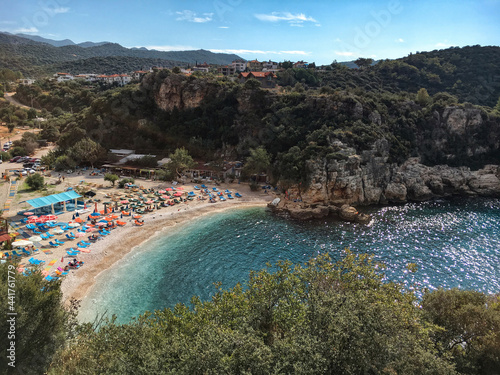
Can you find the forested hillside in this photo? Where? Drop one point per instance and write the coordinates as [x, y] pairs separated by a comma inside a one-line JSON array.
[[36, 59], [469, 73]]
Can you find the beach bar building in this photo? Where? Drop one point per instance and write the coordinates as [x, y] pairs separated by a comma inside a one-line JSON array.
[[61, 202]]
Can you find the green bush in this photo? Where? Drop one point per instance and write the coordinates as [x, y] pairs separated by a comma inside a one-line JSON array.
[[35, 181], [123, 181]]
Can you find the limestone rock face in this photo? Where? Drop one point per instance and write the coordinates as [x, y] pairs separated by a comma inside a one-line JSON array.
[[176, 92], [369, 179]]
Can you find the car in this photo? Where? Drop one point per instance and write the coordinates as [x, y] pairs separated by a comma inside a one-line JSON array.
[[29, 171], [14, 159], [28, 165], [39, 168], [23, 159], [34, 160], [21, 173]]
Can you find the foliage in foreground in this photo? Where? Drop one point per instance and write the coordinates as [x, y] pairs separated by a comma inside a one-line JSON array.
[[41, 324], [320, 318]]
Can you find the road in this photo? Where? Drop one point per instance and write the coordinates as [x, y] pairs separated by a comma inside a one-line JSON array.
[[9, 98]]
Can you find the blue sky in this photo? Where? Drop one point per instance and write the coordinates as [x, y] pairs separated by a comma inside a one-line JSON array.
[[319, 31]]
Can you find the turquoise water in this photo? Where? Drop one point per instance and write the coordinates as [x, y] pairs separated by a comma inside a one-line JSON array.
[[453, 243]]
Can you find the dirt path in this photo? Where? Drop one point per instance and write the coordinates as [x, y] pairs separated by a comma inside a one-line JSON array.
[[10, 99]]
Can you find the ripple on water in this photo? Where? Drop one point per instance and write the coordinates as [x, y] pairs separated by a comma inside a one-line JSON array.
[[453, 243]]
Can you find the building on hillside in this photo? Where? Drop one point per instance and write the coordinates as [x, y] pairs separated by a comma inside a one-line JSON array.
[[201, 67], [226, 70], [267, 79], [254, 65], [138, 74], [63, 77], [26, 81], [239, 65], [300, 64], [270, 66]]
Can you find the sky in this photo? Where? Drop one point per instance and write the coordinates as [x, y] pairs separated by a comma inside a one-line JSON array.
[[319, 31]]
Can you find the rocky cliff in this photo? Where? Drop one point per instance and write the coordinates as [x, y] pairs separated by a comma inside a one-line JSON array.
[[369, 179]]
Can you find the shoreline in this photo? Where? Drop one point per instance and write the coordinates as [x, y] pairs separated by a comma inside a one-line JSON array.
[[107, 252]]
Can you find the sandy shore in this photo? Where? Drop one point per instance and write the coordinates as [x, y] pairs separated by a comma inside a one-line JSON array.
[[105, 252], [109, 250]]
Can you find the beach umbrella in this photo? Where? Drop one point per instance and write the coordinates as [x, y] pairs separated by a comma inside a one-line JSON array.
[[32, 220], [57, 231], [99, 224], [169, 189], [149, 201], [21, 243], [35, 238], [79, 234], [178, 194], [180, 188], [161, 191], [137, 216], [48, 217], [28, 213], [125, 201], [78, 220], [73, 225]]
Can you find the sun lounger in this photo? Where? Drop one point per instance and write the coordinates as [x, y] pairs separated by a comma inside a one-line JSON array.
[[222, 198], [35, 262], [50, 278], [81, 245], [70, 237], [59, 242], [238, 195], [50, 234], [54, 244], [72, 253], [16, 254], [227, 191], [44, 236], [215, 189], [204, 186], [61, 273], [139, 223], [25, 252], [196, 187], [230, 196], [31, 226]]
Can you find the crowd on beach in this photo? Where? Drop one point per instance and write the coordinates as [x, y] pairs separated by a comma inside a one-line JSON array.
[[70, 236]]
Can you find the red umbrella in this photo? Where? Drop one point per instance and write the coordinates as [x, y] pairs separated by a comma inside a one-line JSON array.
[[177, 194], [28, 213], [34, 219], [48, 217], [169, 189], [161, 191]]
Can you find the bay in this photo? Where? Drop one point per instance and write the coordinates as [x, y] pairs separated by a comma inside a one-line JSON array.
[[454, 243]]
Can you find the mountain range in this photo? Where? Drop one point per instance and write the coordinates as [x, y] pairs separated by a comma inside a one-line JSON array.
[[37, 56]]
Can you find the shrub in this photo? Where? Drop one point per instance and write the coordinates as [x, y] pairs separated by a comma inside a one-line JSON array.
[[35, 181]]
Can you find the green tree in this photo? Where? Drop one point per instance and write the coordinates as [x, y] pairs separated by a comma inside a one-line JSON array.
[[111, 178], [469, 331], [41, 323], [363, 62], [87, 151], [258, 161], [423, 97], [497, 107], [318, 318], [180, 160], [35, 181]]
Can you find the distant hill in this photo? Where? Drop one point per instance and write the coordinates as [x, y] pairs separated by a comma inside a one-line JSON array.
[[36, 57], [60, 43]]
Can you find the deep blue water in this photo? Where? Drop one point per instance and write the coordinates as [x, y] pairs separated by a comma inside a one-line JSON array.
[[454, 244]]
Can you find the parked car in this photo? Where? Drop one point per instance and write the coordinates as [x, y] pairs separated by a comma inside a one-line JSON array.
[[23, 159], [29, 171], [14, 159], [21, 173]]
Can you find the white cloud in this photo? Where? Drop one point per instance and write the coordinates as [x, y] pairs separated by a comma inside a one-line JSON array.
[[295, 52], [26, 30], [190, 16], [59, 10], [170, 48], [344, 53], [260, 52], [223, 27], [400, 40], [292, 19], [241, 51]]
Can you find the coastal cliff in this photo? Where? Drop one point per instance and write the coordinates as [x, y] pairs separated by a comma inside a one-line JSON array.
[[369, 179]]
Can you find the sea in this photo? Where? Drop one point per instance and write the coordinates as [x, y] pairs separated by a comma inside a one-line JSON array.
[[454, 244]]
